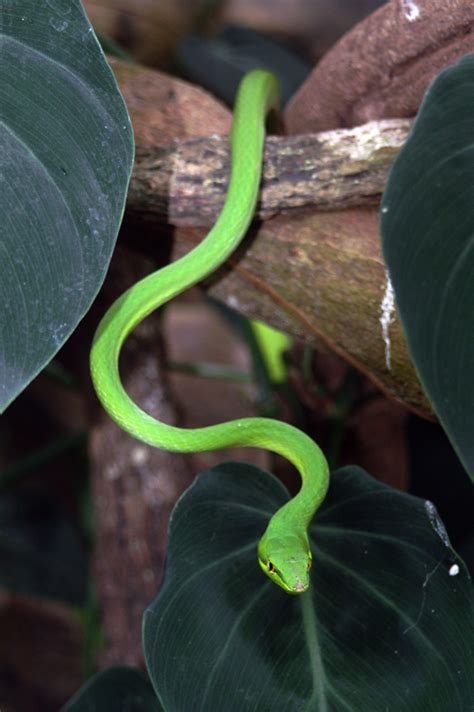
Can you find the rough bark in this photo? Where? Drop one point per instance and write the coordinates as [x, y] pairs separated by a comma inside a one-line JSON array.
[[184, 184]]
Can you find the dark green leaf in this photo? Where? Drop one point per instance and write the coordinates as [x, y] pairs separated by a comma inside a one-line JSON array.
[[66, 153], [118, 689], [40, 552], [387, 624], [427, 227]]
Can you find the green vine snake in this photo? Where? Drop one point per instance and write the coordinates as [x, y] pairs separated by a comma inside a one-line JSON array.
[[283, 551]]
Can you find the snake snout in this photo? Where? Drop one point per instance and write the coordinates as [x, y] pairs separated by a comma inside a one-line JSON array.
[[300, 586]]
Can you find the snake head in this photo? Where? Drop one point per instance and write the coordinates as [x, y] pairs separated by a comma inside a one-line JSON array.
[[286, 561]]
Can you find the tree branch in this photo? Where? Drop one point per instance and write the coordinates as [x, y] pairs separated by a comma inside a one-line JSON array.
[[184, 183]]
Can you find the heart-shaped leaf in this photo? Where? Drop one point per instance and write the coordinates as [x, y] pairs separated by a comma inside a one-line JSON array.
[[118, 689], [66, 151], [387, 624], [427, 226]]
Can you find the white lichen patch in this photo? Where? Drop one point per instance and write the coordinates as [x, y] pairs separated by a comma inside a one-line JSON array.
[[410, 10], [387, 309], [436, 523], [358, 147]]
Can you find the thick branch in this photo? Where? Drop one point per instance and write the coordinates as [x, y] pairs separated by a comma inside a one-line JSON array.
[[184, 184]]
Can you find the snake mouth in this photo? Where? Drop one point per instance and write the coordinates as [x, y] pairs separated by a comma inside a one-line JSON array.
[[298, 588], [301, 587], [295, 589]]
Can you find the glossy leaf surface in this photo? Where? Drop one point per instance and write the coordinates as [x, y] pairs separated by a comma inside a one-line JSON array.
[[427, 226], [386, 625], [66, 152]]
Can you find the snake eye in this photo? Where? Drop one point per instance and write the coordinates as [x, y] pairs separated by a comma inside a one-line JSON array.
[[270, 567], [310, 563]]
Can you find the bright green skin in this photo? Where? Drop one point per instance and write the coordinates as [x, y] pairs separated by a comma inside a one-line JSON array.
[[283, 551]]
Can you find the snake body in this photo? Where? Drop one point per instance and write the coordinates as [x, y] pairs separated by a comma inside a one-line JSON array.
[[283, 552]]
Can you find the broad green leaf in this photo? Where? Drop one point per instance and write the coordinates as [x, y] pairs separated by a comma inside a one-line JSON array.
[[427, 226], [387, 624], [118, 689], [40, 553], [66, 152]]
